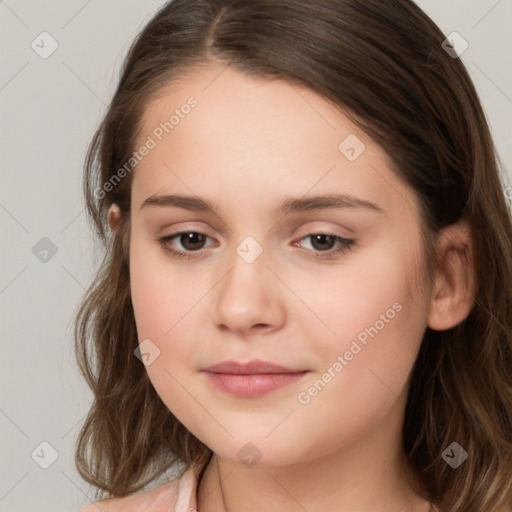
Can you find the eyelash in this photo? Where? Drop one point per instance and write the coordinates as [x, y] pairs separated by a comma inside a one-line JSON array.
[[346, 244]]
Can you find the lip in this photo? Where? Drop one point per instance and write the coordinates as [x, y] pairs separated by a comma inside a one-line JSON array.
[[253, 378]]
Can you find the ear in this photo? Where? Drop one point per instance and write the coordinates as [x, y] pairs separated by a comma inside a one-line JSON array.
[[114, 217], [454, 283]]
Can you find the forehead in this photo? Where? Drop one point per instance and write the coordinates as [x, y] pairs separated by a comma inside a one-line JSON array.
[[251, 105], [256, 135]]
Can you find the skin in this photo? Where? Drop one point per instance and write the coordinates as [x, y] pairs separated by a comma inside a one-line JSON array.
[[248, 144]]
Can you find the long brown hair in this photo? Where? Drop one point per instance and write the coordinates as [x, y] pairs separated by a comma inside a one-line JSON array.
[[384, 64]]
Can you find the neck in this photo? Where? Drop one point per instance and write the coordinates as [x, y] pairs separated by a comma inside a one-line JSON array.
[[367, 474]]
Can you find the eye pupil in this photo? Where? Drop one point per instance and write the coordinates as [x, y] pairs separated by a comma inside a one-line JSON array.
[[190, 240], [321, 239]]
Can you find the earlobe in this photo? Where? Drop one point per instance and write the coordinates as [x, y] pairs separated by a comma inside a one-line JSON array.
[[114, 217], [454, 285]]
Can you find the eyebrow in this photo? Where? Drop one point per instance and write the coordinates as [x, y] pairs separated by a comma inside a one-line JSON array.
[[286, 206]]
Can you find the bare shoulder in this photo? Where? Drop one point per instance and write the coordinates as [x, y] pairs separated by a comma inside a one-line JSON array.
[[160, 499]]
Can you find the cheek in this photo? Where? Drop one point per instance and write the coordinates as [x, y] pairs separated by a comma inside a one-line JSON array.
[[377, 314], [375, 298], [162, 293], [379, 326], [164, 300]]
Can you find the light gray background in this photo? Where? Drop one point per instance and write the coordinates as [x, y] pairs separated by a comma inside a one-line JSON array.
[[49, 109]]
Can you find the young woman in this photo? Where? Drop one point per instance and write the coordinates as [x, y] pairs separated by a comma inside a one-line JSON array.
[[306, 296]]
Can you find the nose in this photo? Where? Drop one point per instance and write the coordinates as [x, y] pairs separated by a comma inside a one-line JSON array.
[[249, 299]]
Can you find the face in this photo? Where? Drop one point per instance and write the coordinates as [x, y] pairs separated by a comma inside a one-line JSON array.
[[294, 244]]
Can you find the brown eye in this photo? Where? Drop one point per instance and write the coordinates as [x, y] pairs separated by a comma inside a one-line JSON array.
[[322, 242], [192, 241], [184, 244], [323, 245]]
